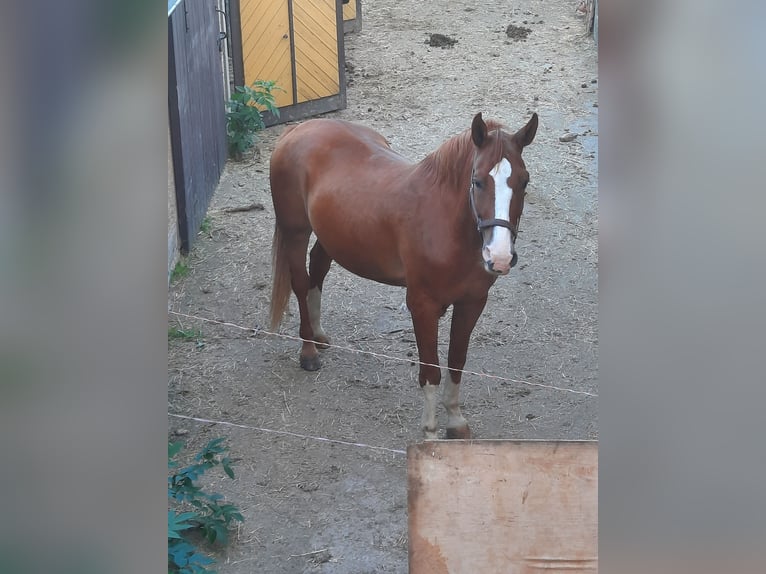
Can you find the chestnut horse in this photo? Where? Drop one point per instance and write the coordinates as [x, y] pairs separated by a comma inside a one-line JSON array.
[[444, 228]]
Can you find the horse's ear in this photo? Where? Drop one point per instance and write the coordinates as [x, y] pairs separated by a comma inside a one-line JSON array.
[[478, 130], [526, 134]]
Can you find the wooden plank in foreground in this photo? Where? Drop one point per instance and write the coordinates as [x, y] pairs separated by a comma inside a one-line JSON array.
[[510, 507]]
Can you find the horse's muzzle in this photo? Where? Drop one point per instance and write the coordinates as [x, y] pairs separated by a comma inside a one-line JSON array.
[[501, 269]]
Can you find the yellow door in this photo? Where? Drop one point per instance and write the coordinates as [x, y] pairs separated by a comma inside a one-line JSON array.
[[352, 16], [316, 49], [266, 50], [349, 10], [296, 44]]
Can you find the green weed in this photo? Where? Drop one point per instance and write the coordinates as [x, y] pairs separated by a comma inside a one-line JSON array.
[[243, 115], [184, 334], [180, 271], [192, 509]]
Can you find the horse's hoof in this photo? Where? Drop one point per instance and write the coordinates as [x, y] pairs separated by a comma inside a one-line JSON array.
[[430, 435], [463, 432], [310, 363]]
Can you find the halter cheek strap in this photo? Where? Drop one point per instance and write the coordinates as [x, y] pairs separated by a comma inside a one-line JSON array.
[[484, 223]]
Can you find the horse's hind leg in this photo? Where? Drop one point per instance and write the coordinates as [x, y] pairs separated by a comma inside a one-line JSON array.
[[319, 265], [296, 247]]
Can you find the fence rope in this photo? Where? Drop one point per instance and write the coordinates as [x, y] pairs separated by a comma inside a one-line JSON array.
[[258, 330], [289, 433]]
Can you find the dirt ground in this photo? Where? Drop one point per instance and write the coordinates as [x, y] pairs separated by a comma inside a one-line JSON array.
[[316, 506]]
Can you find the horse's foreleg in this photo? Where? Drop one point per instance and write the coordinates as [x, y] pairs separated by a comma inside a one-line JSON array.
[[425, 320], [319, 265], [464, 317]]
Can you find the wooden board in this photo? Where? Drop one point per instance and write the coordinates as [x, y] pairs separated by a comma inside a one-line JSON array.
[[503, 507]]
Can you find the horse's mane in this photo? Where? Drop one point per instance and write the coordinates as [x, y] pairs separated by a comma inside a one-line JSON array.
[[286, 131], [451, 161]]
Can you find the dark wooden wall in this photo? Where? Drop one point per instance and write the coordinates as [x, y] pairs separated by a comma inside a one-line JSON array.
[[197, 111]]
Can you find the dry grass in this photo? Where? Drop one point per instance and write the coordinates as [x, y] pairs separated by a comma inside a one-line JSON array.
[[304, 500]]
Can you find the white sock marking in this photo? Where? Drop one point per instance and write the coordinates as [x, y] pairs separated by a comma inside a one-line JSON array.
[[451, 400], [428, 422], [314, 302]]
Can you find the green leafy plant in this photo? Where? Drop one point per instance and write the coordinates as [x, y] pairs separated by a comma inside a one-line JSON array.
[[193, 509], [179, 271], [184, 334], [243, 114]]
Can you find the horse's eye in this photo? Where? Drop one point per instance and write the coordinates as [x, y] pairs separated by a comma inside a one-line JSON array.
[[477, 184]]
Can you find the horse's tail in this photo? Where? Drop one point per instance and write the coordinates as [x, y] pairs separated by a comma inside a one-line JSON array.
[[281, 285]]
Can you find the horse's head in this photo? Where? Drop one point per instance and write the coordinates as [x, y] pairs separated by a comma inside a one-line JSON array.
[[498, 186]]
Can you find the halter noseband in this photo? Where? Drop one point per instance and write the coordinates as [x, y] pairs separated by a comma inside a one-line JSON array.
[[484, 223]]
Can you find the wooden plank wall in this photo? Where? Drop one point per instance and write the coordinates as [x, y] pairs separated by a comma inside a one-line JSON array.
[[197, 111], [503, 507]]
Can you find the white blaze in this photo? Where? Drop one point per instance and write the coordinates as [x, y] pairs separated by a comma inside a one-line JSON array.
[[499, 249]]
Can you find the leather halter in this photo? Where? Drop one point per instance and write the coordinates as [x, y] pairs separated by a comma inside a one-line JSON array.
[[484, 223]]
